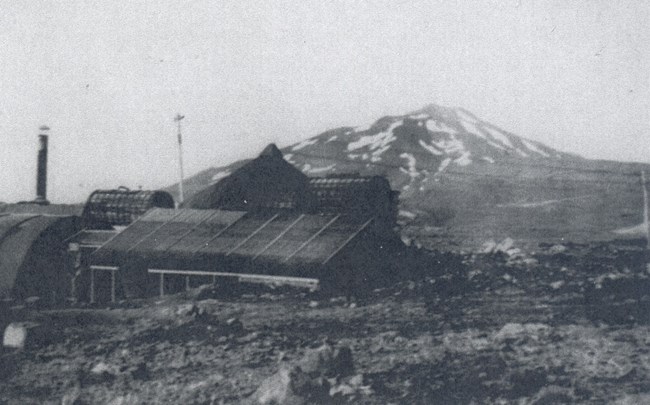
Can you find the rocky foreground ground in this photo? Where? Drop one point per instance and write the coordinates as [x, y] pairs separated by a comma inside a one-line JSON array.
[[562, 324]]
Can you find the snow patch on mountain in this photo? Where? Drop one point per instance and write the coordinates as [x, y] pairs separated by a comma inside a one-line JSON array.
[[332, 139], [437, 126], [465, 116], [499, 136], [522, 153], [220, 175], [412, 162], [288, 157], [532, 147], [443, 165], [307, 168], [452, 145], [406, 214], [430, 148], [472, 129], [496, 145], [377, 144], [464, 159], [304, 144]]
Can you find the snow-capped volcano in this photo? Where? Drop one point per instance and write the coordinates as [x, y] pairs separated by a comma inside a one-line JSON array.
[[420, 147], [465, 180]]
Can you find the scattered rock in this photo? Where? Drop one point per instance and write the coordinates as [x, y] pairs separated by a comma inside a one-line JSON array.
[[557, 249], [306, 381], [512, 252], [552, 395], [72, 396], [338, 300], [100, 368], [530, 261], [633, 399], [139, 371], [278, 389], [352, 386], [186, 309], [518, 330], [505, 245], [33, 302], [234, 326], [24, 335], [99, 373], [15, 336], [317, 360], [488, 247]]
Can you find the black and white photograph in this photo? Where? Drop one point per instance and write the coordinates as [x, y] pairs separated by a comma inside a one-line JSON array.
[[294, 202]]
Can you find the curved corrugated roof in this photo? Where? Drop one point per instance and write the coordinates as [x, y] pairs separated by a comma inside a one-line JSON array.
[[122, 206], [21, 254]]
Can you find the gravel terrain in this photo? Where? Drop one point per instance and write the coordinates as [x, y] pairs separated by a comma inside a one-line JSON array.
[[562, 324]]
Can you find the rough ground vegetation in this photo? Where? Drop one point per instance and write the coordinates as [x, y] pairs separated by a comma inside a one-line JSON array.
[[563, 324]]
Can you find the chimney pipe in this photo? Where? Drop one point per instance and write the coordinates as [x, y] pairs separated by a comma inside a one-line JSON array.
[[41, 170]]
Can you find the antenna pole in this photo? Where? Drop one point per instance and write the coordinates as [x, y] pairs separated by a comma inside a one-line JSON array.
[[178, 119], [646, 225]]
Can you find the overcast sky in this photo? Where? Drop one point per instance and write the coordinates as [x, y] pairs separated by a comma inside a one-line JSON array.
[[108, 78]]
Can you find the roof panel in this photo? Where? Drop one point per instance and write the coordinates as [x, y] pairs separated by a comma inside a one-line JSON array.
[[235, 235], [177, 230], [266, 236], [165, 236], [133, 235], [207, 230], [291, 237], [296, 236], [329, 240]]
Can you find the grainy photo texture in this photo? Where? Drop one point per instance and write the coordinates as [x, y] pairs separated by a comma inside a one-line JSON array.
[[324, 202]]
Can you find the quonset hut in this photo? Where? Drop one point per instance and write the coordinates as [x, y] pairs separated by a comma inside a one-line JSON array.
[[33, 255], [266, 222]]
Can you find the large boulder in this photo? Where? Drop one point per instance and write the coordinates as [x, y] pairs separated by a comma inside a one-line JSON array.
[[308, 380]]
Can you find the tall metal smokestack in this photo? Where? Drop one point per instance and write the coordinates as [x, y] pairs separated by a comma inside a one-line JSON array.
[[41, 170]]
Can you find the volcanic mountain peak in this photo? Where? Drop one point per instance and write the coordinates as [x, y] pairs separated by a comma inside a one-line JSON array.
[[426, 142]]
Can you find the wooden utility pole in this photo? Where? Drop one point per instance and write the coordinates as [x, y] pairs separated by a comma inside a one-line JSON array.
[[178, 119], [646, 225]]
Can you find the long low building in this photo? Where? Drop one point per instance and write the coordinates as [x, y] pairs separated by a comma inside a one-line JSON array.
[[337, 250]]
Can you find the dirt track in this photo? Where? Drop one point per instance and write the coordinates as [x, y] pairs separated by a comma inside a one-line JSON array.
[[568, 328]]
